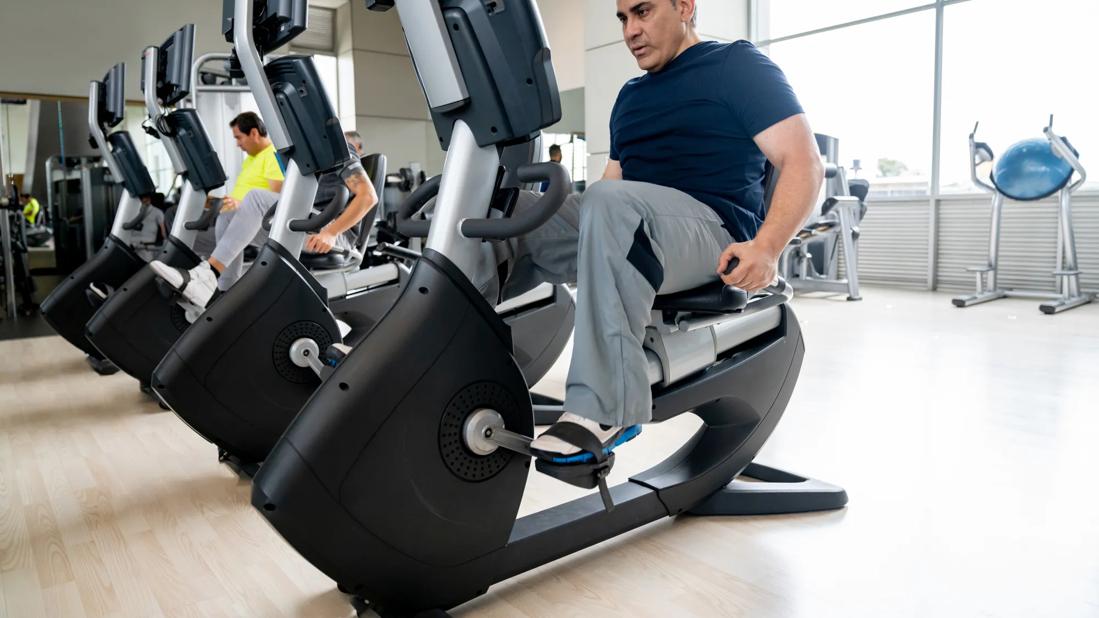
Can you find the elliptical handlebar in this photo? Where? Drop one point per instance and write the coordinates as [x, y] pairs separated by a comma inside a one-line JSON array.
[[1063, 149], [560, 185], [415, 228], [98, 134], [329, 214], [157, 114], [206, 219], [979, 152], [139, 218]]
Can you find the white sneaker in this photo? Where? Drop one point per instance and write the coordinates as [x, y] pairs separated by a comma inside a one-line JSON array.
[[197, 285], [557, 446]]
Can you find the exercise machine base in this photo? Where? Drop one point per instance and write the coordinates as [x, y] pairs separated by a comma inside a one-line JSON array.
[[772, 492], [769, 492]]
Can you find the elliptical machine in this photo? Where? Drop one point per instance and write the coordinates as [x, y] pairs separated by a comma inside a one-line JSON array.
[[401, 478], [69, 307], [811, 260], [137, 324], [242, 372], [1029, 171], [15, 273]]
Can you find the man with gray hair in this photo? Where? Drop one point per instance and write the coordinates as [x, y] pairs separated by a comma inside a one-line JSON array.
[[680, 199]]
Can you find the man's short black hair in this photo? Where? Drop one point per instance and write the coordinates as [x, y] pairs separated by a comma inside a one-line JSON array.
[[26, 195], [554, 150], [248, 121]]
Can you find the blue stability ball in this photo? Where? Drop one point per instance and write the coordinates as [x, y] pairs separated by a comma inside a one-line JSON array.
[[1030, 170]]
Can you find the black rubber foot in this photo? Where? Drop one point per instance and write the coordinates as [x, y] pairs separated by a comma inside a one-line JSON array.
[[102, 366], [854, 298], [959, 303], [778, 492], [361, 607], [243, 469]]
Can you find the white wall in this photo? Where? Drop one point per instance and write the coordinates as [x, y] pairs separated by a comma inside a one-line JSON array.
[[55, 47], [564, 23], [389, 107]]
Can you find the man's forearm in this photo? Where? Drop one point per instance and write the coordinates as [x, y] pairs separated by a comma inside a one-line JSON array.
[[350, 217], [795, 195]]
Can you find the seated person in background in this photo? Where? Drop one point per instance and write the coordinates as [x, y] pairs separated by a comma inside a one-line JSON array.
[[149, 236], [242, 225], [554, 157], [31, 208]]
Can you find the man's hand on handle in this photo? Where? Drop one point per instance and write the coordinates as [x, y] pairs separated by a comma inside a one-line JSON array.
[[758, 267], [322, 242]]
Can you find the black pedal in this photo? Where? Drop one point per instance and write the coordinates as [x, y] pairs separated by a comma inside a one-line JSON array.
[[166, 290], [582, 475], [333, 356]]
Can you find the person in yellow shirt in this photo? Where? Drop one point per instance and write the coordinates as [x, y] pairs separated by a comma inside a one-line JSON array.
[[260, 169], [239, 223], [31, 208]]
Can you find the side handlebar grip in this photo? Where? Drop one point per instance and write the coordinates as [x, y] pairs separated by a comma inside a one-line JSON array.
[[329, 214], [206, 219], [136, 222], [560, 185], [415, 228]]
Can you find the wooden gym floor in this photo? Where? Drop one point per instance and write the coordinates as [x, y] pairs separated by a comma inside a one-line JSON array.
[[968, 441]]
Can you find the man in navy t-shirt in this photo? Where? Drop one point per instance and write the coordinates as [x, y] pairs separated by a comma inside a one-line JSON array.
[[681, 196]]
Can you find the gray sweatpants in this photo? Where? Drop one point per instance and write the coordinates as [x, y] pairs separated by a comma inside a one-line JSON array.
[[239, 228], [621, 244]]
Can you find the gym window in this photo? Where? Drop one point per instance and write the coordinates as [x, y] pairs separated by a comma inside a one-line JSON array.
[[865, 71]]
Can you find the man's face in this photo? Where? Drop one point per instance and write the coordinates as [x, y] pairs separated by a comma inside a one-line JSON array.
[[653, 30], [248, 142]]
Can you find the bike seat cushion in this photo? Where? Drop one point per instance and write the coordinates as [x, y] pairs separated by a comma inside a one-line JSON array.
[[714, 297], [325, 261]]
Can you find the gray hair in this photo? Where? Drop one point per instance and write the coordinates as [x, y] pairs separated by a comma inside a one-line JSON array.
[[355, 139], [694, 18]]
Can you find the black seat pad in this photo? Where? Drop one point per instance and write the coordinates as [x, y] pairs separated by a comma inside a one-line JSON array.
[[324, 261], [715, 297]]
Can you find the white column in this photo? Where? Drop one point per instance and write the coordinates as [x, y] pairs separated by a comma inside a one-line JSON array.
[[388, 106]]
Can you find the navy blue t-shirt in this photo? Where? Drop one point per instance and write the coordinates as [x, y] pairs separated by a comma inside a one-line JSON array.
[[690, 127]]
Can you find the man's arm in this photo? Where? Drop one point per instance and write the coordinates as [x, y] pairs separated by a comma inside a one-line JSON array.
[[613, 170], [276, 185], [365, 199], [790, 146]]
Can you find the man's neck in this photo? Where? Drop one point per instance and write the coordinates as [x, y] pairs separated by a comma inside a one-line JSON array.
[[262, 146], [689, 41]]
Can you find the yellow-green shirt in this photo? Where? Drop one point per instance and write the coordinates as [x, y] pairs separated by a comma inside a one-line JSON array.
[[256, 171], [30, 211]]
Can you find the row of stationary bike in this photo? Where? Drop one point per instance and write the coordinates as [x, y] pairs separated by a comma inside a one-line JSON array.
[[382, 404]]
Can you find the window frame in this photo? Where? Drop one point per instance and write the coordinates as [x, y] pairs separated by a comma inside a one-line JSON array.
[[935, 193]]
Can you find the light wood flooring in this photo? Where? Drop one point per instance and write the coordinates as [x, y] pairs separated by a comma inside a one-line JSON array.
[[968, 441]]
